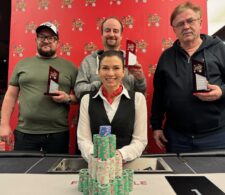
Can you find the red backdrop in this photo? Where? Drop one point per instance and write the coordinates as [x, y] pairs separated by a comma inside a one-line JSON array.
[[145, 21]]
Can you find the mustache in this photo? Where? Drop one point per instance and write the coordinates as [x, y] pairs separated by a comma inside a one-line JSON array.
[[185, 31], [111, 38], [44, 44]]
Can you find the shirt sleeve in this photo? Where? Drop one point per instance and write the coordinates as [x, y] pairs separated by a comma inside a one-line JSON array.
[[84, 136], [73, 76], [140, 85], [14, 80], [158, 103], [139, 137], [86, 80]]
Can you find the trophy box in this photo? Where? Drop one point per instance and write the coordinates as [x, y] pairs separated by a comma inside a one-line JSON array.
[[199, 76], [53, 79], [131, 58]]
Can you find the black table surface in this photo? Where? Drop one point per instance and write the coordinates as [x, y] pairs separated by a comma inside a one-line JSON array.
[[17, 162]]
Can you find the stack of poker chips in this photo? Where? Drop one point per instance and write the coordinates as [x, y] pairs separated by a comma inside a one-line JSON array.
[[105, 174]]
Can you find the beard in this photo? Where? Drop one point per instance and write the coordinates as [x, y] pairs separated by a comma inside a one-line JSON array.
[[46, 53]]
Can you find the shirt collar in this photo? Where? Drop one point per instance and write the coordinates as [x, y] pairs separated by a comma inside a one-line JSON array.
[[124, 92]]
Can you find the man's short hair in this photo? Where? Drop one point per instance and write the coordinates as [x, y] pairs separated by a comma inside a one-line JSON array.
[[184, 6], [112, 17]]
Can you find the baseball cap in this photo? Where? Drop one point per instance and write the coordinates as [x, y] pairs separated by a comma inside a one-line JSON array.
[[48, 25]]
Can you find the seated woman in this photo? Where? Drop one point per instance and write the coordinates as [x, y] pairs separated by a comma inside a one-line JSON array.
[[113, 105]]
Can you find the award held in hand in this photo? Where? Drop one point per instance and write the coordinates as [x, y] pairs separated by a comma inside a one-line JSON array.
[[53, 79], [199, 76], [131, 58]]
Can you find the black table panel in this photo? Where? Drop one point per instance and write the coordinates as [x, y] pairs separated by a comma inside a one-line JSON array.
[[17, 164], [44, 165], [206, 164], [177, 165]]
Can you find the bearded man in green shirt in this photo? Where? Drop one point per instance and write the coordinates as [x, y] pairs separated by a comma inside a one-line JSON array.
[[43, 119]]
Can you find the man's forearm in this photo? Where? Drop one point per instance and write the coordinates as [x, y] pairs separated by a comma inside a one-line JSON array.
[[8, 105]]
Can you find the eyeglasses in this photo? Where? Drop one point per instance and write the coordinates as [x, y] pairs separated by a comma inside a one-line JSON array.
[[50, 39], [190, 21]]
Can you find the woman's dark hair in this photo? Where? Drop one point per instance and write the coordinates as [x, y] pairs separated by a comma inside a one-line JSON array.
[[110, 53]]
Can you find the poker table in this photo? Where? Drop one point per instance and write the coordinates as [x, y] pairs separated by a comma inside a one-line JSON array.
[[25, 173]]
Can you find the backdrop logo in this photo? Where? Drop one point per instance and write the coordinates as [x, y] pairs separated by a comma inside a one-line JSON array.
[[66, 49], [99, 22], [142, 45], [166, 43], [21, 5], [153, 20], [67, 3], [18, 50], [90, 3], [151, 70], [118, 2], [77, 24], [30, 27], [89, 47], [43, 4], [128, 21], [74, 121]]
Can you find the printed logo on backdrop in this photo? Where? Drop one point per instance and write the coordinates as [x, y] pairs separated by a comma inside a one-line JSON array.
[[21, 5], [89, 48], [128, 21], [142, 45], [117, 2], [43, 4], [18, 51], [65, 49], [166, 43], [90, 3], [151, 70], [30, 27], [99, 23], [77, 24], [153, 20], [74, 121], [67, 3]]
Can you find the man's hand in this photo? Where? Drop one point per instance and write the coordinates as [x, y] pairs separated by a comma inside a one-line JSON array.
[[214, 93], [136, 71], [6, 134], [61, 97], [159, 138]]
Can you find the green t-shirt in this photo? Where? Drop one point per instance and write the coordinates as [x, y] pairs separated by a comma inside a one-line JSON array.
[[38, 113]]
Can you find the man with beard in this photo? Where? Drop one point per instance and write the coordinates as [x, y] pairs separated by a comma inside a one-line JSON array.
[[43, 119], [87, 78], [194, 119]]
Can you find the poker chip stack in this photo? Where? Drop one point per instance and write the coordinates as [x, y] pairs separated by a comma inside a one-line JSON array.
[[105, 174]]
